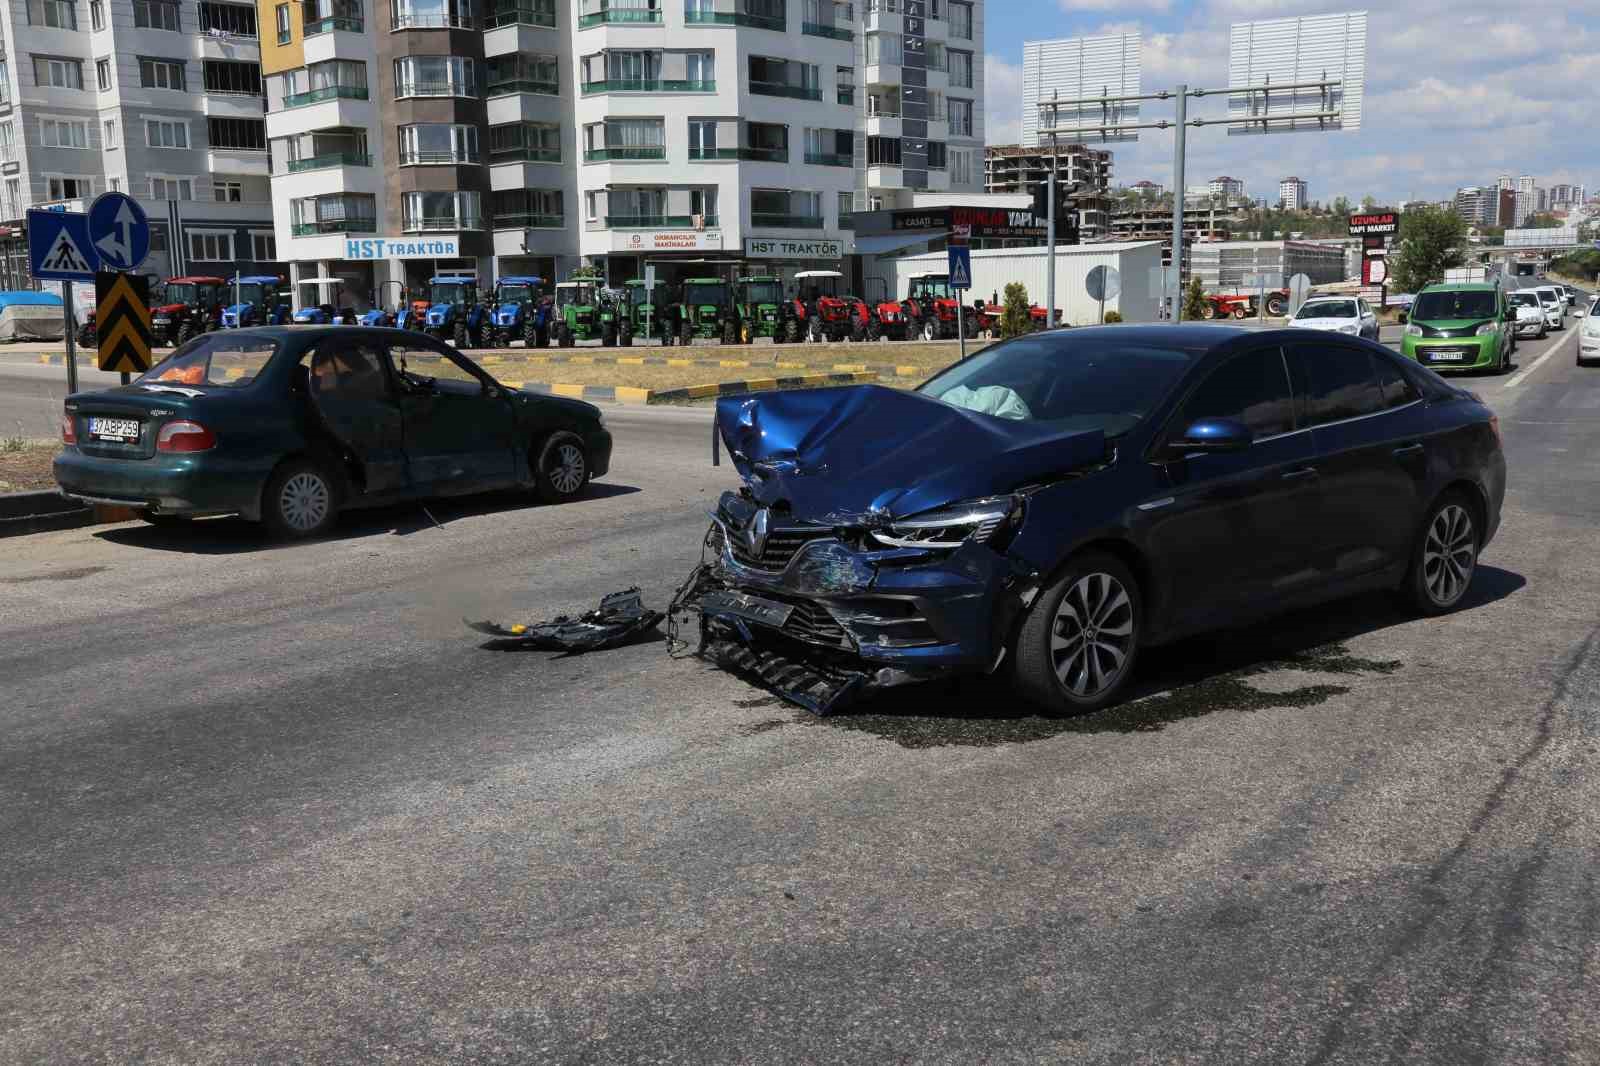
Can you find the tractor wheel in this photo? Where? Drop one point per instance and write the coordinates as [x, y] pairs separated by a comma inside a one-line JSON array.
[[625, 336], [460, 337], [792, 329], [874, 328], [186, 333], [1208, 311], [730, 332], [1241, 311], [858, 332], [972, 328], [817, 333], [685, 335], [530, 334], [608, 337], [1275, 306], [563, 336], [745, 336], [930, 329]]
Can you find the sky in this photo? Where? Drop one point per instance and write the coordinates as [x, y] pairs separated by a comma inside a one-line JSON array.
[[1458, 92]]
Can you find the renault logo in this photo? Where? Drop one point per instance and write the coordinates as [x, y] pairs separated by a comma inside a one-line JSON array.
[[755, 534]]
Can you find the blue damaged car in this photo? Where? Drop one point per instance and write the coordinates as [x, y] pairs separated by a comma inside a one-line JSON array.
[[1055, 503]]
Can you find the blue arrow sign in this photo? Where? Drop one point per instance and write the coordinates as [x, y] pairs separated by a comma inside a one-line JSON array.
[[960, 266], [59, 247], [119, 231]]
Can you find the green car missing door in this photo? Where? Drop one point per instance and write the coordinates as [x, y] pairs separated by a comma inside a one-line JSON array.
[[289, 426], [1461, 326]]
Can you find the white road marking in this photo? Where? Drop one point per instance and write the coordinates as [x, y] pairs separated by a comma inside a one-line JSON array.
[[1517, 378]]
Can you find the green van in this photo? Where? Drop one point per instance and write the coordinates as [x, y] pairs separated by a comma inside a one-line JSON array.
[[1461, 326]]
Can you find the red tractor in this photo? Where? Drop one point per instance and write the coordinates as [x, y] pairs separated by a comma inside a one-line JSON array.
[[188, 307], [931, 309], [1243, 304], [989, 318], [820, 312]]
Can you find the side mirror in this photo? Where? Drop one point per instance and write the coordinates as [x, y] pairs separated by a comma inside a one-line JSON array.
[[1402, 318], [1213, 435]]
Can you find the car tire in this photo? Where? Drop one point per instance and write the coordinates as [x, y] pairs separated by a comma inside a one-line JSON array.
[[301, 500], [1445, 557], [561, 467], [1063, 666]]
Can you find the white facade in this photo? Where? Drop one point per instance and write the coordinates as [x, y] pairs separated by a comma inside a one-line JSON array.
[[1292, 194]]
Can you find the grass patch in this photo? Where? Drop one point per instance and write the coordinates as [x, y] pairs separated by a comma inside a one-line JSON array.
[[25, 464]]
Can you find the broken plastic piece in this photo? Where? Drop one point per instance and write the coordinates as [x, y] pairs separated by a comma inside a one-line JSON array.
[[620, 618]]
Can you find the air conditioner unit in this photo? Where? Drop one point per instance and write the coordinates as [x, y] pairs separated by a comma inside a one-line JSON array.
[[699, 221]]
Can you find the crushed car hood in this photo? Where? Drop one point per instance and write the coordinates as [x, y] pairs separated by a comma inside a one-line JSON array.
[[869, 449]]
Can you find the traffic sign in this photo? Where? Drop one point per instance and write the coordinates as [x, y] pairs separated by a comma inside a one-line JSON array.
[[1103, 283], [119, 231], [59, 247], [960, 266], [122, 321], [1299, 289]]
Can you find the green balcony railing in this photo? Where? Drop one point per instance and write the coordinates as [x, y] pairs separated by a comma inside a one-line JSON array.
[[619, 15], [736, 18], [758, 218], [335, 22], [528, 220], [440, 223], [336, 225], [331, 159], [817, 29], [624, 155], [777, 88], [511, 86], [594, 88], [829, 159], [656, 221], [706, 155], [764, 155], [329, 92], [524, 155], [543, 17]]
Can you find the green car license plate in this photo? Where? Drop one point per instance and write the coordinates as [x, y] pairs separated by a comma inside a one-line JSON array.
[[114, 430]]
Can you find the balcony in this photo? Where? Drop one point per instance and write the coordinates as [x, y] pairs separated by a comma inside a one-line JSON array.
[[624, 155], [511, 86], [620, 16], [329, 161], [440, 223], [660, 221], [333, 24], [331, 92], [524, 155], [433, 22], [792, 92], [736, 18], [436, 159], [526, 220], [543, 17], [595, 88], [817, 29], [335, 225], [829, 159], [749, 155], [767, 221]]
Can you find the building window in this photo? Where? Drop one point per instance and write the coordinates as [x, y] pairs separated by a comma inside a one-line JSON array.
[[57, 73], [847, 210], [960, 69], [960, 118], [281, 14], [426, 211], [961, 167], [625, 139], [427, 143], [171, 188], [237, 79], [960, 20], [435, 76], [845, 85], [885, 49], [432, 14], [97, 14], [264, 247], [162, 74], [883, 151], [116, 184], [703, 138], [64, 188], [63, 133], [235, 20], [347, 212], [102, 74], [59, 14], [8, 143], [532, 142], [237, 134], [110, 137], [785, 208], [155, 15], [938, 157], [703, 206], [166, 133], [211, 247], [523, 72], [13, 197], [227, 191]]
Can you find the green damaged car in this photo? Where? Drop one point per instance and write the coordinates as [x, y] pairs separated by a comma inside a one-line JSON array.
[[1461, 326]]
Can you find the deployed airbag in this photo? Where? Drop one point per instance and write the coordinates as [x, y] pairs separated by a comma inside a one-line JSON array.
[[994, 400]]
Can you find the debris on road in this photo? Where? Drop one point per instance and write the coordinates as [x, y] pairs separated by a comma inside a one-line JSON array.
[[620, 619]]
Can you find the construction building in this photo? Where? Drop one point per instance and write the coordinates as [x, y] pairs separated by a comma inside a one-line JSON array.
[[1020, 169]]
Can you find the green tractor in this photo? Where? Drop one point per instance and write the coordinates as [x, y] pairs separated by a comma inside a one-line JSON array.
[[707, 311], [586, 311], [762, 309], [652, 314]]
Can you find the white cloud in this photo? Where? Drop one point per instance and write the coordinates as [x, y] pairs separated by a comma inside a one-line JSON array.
[[1002, 97]]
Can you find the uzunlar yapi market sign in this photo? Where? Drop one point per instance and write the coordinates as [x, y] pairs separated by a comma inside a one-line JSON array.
[[1374, 223], [981, 223]]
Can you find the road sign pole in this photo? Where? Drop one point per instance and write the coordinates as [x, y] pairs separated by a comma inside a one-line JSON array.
[[961, 324], [72, 340], [1178, 148], [1050, 243]]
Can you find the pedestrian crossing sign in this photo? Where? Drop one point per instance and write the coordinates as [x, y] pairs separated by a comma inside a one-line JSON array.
[[58, 246], [960, 266]]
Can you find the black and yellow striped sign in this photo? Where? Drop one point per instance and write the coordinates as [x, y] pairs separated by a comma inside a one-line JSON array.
[[122, 321]]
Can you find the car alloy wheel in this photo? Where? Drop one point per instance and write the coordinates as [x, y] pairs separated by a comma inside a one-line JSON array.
[[563, 467], [1092, 635], [304, 501], [567, 469], [1449, 555]]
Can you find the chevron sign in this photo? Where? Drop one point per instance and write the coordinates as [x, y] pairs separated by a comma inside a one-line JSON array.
[[122, 321]]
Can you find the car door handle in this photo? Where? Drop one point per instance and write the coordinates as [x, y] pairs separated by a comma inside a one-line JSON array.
[[1300, 474], [1407, 451]]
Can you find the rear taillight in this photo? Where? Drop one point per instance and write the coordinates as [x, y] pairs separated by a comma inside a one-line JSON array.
[[185, 437], [69, 429]]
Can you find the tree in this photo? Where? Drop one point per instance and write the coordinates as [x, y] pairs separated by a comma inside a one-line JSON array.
[[1368, 203], [1014, 317], [1194, 300], [1341, 206], [1542, 221], [1430, 242]]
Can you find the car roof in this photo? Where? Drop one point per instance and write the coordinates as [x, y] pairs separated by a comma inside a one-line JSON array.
[[1462, 286]]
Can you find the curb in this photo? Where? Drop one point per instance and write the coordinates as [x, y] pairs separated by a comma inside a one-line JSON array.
[[882, 369], [41, 511], [626, 395]]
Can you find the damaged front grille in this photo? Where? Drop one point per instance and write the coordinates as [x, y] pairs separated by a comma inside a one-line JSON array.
[[779, 549]]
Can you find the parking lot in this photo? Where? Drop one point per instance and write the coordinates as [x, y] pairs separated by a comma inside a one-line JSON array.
[[274, 804]]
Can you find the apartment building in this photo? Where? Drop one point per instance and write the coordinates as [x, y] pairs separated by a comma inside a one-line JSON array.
[[1292, 194], [1013, 168], [159, 99], [415, 137]]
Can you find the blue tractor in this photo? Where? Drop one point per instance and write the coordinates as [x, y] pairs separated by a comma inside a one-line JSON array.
[[455, 312], [260, 301], [327, 310], [521, 312]]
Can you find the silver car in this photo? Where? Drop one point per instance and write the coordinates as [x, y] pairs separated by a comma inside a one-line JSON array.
[[1339, 314]]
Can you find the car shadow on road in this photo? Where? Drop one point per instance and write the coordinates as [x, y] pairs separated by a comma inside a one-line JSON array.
[[1188, 679], [231, 536]]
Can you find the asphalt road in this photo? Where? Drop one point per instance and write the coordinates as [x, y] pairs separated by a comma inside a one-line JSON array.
[[278, 805]]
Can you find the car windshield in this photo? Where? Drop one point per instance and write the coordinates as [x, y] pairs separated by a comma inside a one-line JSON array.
[[455, 293], [218, 360], [1452, 304], [1328, 309], [931, 287], [1547, 295], [1104, 383], [180, 292], [516, 294], [763, 292], [252, 292], [582, 295], [705, 293], [1524, 299]]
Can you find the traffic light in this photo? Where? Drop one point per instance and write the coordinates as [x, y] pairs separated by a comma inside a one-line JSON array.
[[1041, 200], [1066, 208]]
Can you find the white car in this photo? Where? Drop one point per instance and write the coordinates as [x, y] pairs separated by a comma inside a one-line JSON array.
[[1339, 314], [1554, 305], [1589, 338], [1533, 320]]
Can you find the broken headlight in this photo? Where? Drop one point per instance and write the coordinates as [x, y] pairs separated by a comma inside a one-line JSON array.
[[991, 520]]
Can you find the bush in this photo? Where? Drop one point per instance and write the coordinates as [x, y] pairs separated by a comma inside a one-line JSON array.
[[1014, 317], [1112, 317], [1194, 300]]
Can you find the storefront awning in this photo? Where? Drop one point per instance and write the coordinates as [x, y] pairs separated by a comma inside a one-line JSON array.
[[893, 242]]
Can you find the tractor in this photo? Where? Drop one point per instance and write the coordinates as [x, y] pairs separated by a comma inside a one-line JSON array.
[[652, 314], [189, 307], [707, 311], [455, 311], [521, 312], [763, 312], [585, 310], [932, 309], [821, 313], [328, 309], [259, 300]]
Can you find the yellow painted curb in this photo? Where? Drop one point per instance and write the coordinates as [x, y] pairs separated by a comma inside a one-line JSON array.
[[491, 360], [581, 360], [757, 384], [680, 362], [850, 368], [558, 389], [737, 363], [909, 371], [630, 360], [793, 366], [700, 392], [627, 394], [512, 384]]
